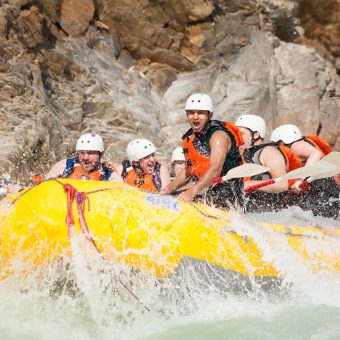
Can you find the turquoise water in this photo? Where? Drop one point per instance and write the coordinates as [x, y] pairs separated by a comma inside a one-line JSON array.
[[286, 322], [86, 301], [234, 319]]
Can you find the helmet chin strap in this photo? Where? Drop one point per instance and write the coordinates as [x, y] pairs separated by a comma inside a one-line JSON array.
[[290, 144], [253, 140]]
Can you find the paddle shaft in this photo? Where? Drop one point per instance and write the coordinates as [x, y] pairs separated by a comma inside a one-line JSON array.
[[218, 180], [248, 170], [318, 170], [244, 170], [263, 184]]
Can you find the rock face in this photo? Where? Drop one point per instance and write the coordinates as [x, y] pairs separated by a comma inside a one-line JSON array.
[[321, 22], [125, 67], [75, 16]]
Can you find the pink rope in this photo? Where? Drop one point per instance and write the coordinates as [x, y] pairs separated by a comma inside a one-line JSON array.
[[81, 198]]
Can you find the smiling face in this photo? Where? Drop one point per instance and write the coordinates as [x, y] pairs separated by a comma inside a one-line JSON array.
[[148, 163], [89, 159], [198, 119]]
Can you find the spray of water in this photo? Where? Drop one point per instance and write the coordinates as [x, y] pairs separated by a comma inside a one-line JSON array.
[[80, 296]]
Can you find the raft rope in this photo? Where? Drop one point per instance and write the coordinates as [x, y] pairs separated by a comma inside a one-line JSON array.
[[80, 198], [288, 233]]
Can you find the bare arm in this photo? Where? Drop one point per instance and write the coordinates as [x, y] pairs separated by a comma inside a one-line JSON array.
[[273, 159], [56, 170], [220, 145], [307, 152], [119, 169], [179, 181], [117, 175], [165, 176]]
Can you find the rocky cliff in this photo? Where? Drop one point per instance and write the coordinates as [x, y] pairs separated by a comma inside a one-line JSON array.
[[125, 67]]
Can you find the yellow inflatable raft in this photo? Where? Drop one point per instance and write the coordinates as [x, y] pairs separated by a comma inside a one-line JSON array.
[[148, 232]]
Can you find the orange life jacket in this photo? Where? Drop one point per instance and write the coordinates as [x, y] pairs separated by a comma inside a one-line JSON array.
[[74, 170], [80, 173], [291, 159], [197, 151], [323, 147], [147, 182], [318, 143]]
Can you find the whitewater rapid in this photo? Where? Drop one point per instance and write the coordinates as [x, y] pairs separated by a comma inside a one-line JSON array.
[[87, 300]]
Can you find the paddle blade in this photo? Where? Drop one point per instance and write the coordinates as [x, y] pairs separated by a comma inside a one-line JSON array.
[[313, 170], [245, 170], [332, 157], [333, 171]]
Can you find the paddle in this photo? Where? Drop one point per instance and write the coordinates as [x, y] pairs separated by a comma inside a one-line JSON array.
[[245, 170], [314, 170], [333, 171], [334, 158], [330, 173]]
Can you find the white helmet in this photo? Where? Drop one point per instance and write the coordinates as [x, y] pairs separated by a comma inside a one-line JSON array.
[[90, 142], [287, 133], [199, 101], [177, 155], [253, 123], [139, 148]]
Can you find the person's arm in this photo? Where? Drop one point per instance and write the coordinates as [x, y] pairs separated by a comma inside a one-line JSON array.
[[165, 176], [119, 169], [274, 160], [116, 176], [177, 182], [56, 170], [306, 152], [220, 145]]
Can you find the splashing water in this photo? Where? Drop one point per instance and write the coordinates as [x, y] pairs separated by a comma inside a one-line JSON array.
[[84, 299]]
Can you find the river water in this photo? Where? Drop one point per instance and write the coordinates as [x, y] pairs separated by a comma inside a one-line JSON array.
[[88, 301]]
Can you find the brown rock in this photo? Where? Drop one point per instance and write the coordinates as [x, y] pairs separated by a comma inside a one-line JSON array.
[[30, 24], [198, 10], [51, 9], [3, 22], [4, 66], [96, 108], [171, 58], [321, 22], [75, 16], [161, 76]]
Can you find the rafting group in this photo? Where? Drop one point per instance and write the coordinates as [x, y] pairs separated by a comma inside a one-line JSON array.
[[210, 149]]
